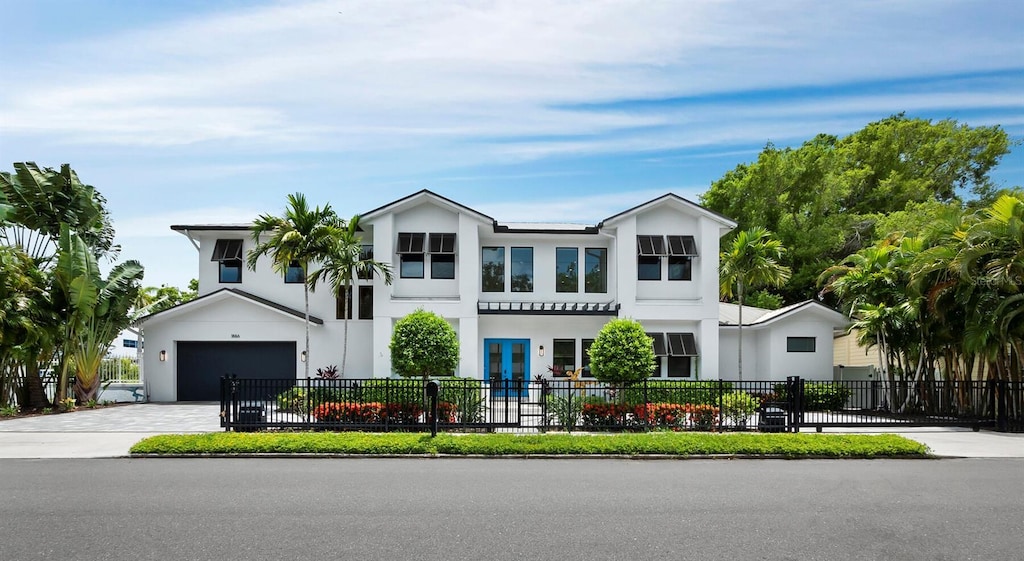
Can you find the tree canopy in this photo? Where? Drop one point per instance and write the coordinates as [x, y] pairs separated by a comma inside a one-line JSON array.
[[826, 199], [424, 344]]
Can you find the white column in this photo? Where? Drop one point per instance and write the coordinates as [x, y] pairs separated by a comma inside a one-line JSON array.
[[708, 345]]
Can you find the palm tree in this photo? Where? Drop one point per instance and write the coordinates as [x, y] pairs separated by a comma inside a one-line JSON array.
[[344, 264], [303, 236], [751, 261]]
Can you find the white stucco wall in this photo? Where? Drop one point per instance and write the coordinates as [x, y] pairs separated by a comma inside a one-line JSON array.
[[764, 350]]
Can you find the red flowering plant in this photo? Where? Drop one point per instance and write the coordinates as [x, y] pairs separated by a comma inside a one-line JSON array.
[[702, 417], [348, 412], [661, 415]]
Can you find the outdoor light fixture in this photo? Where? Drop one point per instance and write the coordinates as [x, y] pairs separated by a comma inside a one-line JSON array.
[[302, 356], [540, 350], [163, 356]]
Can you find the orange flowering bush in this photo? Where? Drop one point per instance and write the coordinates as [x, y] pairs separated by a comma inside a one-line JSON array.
[[673, 416]]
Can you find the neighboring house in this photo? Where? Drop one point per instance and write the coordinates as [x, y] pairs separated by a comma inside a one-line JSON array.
[[522, 297]]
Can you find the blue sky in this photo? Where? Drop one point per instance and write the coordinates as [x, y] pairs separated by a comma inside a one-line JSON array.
[[200, 111]]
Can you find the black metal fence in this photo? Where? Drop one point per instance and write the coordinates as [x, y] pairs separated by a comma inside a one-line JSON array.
[[384, 404]]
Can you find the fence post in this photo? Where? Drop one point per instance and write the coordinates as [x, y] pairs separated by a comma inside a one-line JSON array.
[[1002, 420], [720, 390]]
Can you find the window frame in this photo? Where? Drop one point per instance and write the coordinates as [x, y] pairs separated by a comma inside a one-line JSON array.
[[512, 269], [410, 243], [646, 265], [791, 340], [445, 243], [561, 345], [439, 259], [365, 302], [674, 367], [338, 306], [585, 345], [411, 258], [687, 270], [293, 265], [500, 253], [602, 264], [223, 266], [573, 265]]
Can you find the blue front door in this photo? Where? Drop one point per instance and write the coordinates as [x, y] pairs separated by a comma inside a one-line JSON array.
[[507, 360]]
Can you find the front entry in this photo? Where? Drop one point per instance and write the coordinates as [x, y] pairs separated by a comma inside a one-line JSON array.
[[507, 360]]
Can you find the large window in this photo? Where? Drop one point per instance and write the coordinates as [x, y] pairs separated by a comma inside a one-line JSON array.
[[410, 252], [596, 280], [567, 262], [563, 355], [228, 253], [648, 268], [800, 344], [294, 273], [649, 250], [365, 302], [340, 303], [492, 268], [442, 256], [522, 269]]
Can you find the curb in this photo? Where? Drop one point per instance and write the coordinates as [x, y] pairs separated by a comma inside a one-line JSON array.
[[306, 455]]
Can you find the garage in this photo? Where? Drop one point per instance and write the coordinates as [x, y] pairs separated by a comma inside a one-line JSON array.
[[202, 363]]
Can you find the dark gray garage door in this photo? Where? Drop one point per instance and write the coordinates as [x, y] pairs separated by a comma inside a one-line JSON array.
[[202, 363]]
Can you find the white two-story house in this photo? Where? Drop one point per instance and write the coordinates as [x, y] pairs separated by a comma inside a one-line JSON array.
[[522, 297]]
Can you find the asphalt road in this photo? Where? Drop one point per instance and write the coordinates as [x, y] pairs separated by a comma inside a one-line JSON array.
[[452, 509]]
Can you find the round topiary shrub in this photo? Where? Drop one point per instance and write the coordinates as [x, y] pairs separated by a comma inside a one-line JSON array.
[[424, 344], [622, 354]]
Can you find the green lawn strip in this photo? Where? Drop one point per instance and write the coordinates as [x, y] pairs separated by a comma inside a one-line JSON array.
[[672, 444]]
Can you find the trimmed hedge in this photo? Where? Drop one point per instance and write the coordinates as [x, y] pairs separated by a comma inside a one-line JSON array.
[[672, 444], [820, 396], [681, 392]]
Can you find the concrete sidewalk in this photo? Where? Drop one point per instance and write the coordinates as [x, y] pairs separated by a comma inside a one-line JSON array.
[[110, 432]]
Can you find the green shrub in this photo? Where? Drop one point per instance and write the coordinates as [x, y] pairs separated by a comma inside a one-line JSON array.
[[681, 392], [622, 354], [666, 443], [738, 406], [424, 344], [564, 411], [390, 390], [820, 396], [295, 400], [466, 395]]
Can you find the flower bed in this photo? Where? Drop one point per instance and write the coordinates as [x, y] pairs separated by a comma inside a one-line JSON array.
[[376, 412], [672, 416]]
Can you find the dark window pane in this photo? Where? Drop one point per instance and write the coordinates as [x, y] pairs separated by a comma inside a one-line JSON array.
[[365, 302], [800, 344], [682, 245], [492, 267], [365, 254], [678, 367], [339, 305], [648, 268], [522, 269], [679, 268], [294, 274], [596, 280], [231, 271], [442, 266], [412, 266], [563, 355], [650, 245], [567, 278], [682, 344]]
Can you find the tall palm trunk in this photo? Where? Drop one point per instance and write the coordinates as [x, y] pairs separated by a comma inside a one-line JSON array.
[[344, 345], [305, 293]]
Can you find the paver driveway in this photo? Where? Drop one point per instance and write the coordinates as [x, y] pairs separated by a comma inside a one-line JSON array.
[[138, 417]]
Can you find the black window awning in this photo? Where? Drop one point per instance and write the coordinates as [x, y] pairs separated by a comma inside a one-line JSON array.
[[682, 344], [549, 308], [659, 343], [682, 245], [410, 242], [650, 245], [227, 250], [443, 243]]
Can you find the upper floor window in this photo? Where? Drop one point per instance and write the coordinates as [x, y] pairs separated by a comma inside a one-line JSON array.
[[294, 273], [229, 255], [410, 252], [492, 269], [522, 269], [800, 344], [650, 249], [567, 278], [596, 277], [365, 254], [442, 256], [680, 268]]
